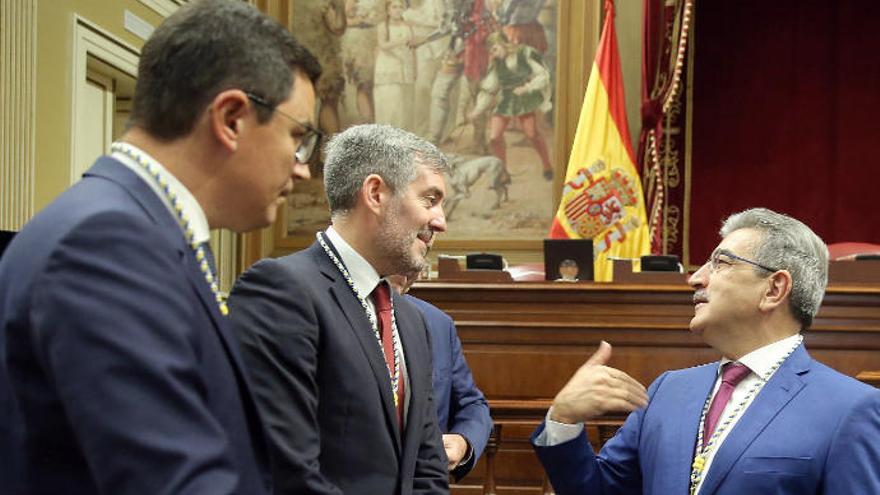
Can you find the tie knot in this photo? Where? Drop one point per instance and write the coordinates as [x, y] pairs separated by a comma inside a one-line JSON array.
[[734, 373], [382, 297]]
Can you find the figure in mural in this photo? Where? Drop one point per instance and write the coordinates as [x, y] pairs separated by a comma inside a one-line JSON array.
[[426, 19], [395, 74], [359, 52], [519, 23], [468, 23], [319, 25], [518, 85]]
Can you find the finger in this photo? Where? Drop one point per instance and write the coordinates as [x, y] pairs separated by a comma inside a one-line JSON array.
[[635, 396], [601, 356], [625, 378], [619, 404], [630, 387]]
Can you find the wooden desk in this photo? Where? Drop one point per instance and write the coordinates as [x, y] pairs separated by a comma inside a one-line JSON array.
[[524, 340]]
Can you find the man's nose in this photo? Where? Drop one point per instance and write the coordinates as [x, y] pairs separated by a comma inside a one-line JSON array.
[[438, 223], [698, 278], [300, 171]]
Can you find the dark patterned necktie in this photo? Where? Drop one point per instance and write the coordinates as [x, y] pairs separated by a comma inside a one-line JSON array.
[[382, 300]]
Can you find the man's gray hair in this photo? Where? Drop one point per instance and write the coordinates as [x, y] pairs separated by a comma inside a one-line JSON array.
[[788, 244], [361, 150]]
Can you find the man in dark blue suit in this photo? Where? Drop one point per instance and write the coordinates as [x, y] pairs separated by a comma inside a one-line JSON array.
[[341, 364], [462, 410], [766, 418], [122, 372]]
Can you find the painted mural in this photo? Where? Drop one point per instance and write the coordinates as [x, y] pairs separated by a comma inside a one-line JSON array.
[[475, 77]]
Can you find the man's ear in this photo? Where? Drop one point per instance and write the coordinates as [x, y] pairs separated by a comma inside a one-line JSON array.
[[375, 193], [777, 291], [226, 116]]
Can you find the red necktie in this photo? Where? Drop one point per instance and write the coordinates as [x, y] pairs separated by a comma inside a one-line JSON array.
[[732, 374], [382, 300]]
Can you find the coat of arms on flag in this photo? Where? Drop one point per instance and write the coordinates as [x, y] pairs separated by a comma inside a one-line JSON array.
[[602, 196], [595, 201]]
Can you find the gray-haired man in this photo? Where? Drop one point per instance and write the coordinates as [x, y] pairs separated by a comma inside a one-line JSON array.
[[767, 418], [341, 365]]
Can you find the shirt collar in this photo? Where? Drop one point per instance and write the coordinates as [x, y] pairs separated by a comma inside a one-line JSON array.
[[762, 360], [191, 207], [363, 275]]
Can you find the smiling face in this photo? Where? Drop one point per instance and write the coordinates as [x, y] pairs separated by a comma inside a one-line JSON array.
[[265, 165], [727, 297], [410, 222]]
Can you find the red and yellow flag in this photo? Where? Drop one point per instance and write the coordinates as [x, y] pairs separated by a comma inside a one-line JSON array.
[[602, 195]]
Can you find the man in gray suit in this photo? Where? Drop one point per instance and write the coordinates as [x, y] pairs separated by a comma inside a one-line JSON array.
[[341, 366]]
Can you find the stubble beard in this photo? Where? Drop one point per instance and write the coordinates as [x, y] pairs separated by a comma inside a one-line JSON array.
[[396, 244]]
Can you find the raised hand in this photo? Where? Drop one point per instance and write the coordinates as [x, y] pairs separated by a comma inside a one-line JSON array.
[[596, 389]]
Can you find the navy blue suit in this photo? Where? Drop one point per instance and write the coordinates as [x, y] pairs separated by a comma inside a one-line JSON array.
[[810, 430], [125, 376], [323, 384], [461, 407]]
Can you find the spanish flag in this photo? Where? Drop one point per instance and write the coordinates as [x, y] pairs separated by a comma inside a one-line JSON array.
[[602, 195]]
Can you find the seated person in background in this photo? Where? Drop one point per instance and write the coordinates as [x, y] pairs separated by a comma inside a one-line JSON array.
[[568, 271], [767, 418], [462, 410]]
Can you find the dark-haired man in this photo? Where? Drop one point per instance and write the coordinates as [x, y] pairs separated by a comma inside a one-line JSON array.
[[341, 364], [125, 377]]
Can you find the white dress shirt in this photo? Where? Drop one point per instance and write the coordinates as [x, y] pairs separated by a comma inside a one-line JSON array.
[[761, 362], [191, 207], [365, 279]]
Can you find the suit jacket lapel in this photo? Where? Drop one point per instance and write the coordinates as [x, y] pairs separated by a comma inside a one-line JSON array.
[[415, 363], [689, 402], [150, 202], [359, 325], [782, 387], [111, 169]]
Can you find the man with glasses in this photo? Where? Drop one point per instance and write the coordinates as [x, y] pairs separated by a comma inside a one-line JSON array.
[[125, 376], [341, 365], [766, 418]]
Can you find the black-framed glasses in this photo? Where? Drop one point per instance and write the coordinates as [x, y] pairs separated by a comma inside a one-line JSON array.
[[717, 260], [309, 141]]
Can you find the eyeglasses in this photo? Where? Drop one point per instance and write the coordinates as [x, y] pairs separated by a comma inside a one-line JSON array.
[[723, 257], [309, 141]]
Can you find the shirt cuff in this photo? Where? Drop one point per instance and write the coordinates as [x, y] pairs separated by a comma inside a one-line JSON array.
[[556, 433], [469, 453]]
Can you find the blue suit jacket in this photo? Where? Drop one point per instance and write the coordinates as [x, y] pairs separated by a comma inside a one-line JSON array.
[[811, 430], [125, 377], [323, 384], [461, 407]]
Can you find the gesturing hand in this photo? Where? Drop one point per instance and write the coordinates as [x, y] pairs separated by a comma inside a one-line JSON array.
[[596, 389]]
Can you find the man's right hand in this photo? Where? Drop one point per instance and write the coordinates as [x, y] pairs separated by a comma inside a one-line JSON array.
[[596, 389]]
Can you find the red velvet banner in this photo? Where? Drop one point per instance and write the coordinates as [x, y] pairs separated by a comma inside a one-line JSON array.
[[661, 156], [786, 96]]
